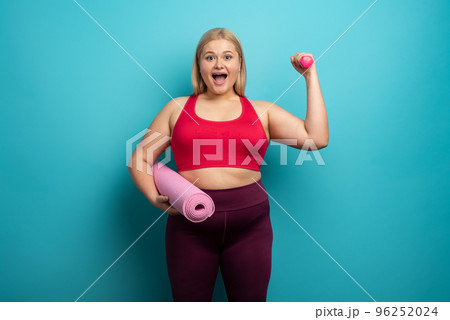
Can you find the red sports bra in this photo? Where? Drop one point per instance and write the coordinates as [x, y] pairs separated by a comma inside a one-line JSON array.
[[205, 143]]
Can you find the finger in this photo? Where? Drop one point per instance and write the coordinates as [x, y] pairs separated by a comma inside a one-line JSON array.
[[162, 199], [168, 207], [172, 211], [300, 55], [295, 60]]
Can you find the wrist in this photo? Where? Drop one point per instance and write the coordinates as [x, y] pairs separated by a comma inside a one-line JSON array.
[[152, 197], [310, 76]]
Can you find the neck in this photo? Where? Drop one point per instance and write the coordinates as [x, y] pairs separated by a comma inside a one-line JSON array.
[[220, 96]]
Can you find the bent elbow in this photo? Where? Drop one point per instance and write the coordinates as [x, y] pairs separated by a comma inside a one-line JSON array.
[[322, 142], [322, 145], [314, 144]]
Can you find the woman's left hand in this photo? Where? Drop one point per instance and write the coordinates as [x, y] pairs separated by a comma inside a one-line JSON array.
[[296, 64]]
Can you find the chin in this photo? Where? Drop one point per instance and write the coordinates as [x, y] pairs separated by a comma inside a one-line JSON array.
[[222, 91]]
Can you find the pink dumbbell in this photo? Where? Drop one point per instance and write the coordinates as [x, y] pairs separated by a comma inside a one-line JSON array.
[[306, 62]]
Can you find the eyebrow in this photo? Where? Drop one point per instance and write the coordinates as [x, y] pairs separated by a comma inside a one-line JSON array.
[[209, 51]]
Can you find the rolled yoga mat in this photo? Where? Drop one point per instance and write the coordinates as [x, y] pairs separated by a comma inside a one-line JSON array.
[[189, 200]]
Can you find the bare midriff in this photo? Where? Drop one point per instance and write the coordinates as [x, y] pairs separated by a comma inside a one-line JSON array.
[[221, 177]]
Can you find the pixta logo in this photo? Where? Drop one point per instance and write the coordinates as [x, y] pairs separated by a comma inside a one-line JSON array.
[[152, 140], [148, 144], [220, 150], [231, 151], [303, 156]]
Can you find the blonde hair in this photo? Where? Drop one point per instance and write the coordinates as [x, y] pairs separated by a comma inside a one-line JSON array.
[[198, 84]]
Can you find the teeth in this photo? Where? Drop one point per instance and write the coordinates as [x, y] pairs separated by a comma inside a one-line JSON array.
[[218, 74]]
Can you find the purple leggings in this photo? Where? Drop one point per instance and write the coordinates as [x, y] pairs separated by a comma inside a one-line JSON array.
[[237, 237]]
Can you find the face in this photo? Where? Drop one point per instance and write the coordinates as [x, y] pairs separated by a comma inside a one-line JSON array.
[[219, 66]]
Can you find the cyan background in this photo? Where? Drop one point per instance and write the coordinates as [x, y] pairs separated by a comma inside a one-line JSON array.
[[71, 97]]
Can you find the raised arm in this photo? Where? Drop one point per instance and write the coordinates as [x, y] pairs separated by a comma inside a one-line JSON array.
[[312, 132]]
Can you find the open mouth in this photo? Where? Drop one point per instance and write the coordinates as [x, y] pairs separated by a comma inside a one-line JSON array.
[[219, 78]]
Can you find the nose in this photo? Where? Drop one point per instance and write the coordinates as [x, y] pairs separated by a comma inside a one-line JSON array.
[[218, 64]]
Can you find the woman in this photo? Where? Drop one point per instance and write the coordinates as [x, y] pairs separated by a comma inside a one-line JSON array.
[[219, 139]]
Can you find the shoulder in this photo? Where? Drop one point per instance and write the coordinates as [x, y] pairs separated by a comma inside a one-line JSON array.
[[257, 104], [263, 107], [174, 106], [170, 109], [176, 103]]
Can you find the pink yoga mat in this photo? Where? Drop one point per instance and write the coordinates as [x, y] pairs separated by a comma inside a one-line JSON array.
[[189, 200]]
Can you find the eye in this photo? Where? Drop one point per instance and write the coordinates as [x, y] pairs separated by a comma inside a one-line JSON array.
[[228, 57], [209, 58]]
